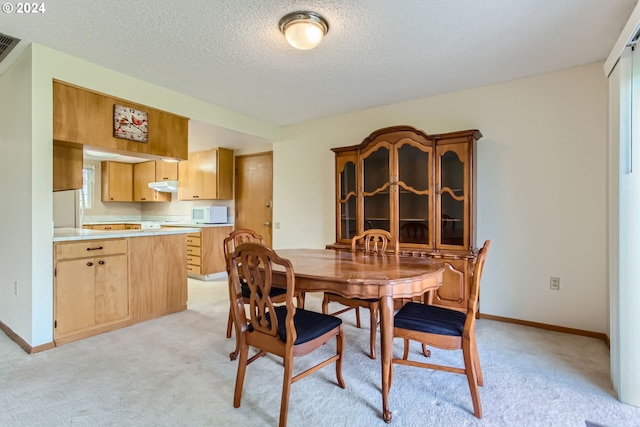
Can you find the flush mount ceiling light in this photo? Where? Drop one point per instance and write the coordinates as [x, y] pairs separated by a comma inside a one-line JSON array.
[[304, 30]]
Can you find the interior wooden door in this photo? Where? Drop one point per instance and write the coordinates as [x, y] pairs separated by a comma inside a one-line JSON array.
[[254, 193]]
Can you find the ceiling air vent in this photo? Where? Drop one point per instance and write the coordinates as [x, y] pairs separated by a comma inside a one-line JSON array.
[[6, 44]]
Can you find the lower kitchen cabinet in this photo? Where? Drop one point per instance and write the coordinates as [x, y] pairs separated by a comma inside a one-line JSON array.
[[205, 252], [194, 253], [105, 284], [157, 275], [106, 227], [91, 285]]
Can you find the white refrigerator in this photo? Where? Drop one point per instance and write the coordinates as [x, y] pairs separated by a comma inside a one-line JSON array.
[[66, 209]]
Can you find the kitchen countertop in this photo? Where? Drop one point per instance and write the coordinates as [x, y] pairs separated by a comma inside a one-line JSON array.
[[71, 234], [194, 224], [162, 223]]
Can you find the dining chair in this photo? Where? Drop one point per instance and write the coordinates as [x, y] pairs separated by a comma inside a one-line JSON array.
[[283, 330], [278, 295], [373, 241], [446, 329]]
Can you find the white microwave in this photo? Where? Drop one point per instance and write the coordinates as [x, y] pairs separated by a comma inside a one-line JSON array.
[[209, 214]]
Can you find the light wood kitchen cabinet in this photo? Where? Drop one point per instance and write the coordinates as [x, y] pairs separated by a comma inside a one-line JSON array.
[[207, 175], [166, 170], [85, 117], [158, 276], [90, 285], [194, 253], [96, 288], [117, 182], [143, 174], [420, 188], [204, 250], [105, 227], [67, 167], [212, 257]]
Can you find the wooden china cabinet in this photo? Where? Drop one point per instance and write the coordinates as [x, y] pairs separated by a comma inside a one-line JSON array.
[[420, 188]]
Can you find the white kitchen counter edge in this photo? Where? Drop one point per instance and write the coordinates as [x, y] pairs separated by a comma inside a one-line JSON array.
[[163, 223], [71, 234]]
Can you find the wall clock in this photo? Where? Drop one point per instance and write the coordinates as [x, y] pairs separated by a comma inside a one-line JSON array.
[[129, 123]]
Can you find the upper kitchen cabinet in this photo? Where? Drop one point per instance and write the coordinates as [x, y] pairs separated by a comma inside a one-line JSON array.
[[85, 117], [143, 174], [166, 171], [207, 175], [67, 167], [117, 182]]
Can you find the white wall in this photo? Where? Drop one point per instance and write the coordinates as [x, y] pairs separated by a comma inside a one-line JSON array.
[[541, 187], [15, 209], [26, 128]]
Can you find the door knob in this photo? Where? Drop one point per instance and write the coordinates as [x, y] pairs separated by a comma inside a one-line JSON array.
[[267, 224], [268, 205]]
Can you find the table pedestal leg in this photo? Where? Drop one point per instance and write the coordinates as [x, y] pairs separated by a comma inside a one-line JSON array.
[[386, 348]]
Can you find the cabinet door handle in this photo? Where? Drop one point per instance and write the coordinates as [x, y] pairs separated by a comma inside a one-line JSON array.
[[99, 248], [89, 264], [101, 262]]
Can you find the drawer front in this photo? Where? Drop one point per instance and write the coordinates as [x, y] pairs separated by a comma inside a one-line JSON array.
[[197, 234], [193, 260], [194, 250], [194, 269], [193, 241], [90, 248], [108, 227]]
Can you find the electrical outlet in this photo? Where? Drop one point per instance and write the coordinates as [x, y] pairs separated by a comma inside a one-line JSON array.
[[554, 283], [15, 287]]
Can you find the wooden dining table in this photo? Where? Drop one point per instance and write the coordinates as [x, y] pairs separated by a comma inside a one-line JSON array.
[[362, 275]]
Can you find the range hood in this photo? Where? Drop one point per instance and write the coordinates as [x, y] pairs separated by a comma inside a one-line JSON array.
[[170, 186]]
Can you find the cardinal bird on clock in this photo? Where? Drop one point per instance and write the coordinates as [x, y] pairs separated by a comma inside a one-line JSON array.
[[137, 121]]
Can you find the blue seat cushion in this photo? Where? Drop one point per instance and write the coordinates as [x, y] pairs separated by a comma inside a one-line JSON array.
[[246, 292], [309, 324], [430, 319]]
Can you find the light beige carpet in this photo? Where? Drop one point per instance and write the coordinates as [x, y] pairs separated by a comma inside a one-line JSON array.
[[175, 371]]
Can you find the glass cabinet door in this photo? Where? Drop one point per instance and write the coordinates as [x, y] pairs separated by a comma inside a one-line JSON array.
[[452, 210], [376, 189], [414, 198], [347, 201]]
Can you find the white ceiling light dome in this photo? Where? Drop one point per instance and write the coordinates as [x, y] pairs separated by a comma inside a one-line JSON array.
[[304, 30]]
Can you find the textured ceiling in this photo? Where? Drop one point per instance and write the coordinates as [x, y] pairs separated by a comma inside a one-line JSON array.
[[377, 52]]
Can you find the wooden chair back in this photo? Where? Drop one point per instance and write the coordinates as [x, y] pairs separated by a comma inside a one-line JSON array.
[[474, 292], [271, 329], [375, 241], [253, 263], [238, 237], [446, 329]]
